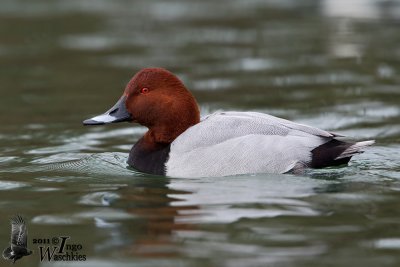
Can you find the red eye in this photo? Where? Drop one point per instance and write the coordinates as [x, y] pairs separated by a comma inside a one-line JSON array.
[[144, 90]]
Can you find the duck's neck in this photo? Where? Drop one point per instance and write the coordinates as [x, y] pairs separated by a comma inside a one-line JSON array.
[[151, 152], [165, 134], [149, 157], [172, 124]]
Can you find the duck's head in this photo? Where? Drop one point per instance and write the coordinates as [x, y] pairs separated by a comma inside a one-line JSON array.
[[157, 99]]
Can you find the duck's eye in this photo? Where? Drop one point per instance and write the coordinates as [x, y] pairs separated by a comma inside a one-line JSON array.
[[144, 90]]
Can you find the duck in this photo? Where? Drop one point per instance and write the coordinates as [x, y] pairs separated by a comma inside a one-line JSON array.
[[179, 143]]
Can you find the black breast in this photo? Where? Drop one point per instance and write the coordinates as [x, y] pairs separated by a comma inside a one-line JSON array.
[[149, 160]]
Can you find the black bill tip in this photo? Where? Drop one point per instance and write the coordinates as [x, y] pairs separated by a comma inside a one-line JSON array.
[[118, 113]]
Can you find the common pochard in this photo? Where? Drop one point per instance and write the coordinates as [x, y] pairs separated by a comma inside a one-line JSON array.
[[179, 143]]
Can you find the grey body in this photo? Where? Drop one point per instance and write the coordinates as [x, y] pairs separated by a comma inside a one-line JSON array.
[[231, 143]]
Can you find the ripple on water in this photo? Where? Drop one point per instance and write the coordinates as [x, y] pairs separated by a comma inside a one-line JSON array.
[[88, 42], [228, 199], [213, 84], [350, 115], [321, 79], [87, 141], [387, 243], [7, 159], [60, 157], [100, 164], [104, 262], [8, 185], [98, 199], [81, 217], [64, 219], [249, 254]]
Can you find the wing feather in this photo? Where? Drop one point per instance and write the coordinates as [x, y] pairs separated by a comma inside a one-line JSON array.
[[19, 233], [221, 126], [266, 119]]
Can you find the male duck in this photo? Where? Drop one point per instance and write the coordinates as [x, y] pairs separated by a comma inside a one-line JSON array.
[[180, 144]]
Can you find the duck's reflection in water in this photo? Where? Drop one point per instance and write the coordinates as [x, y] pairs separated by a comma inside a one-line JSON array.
[[167, 211], [151, 232]]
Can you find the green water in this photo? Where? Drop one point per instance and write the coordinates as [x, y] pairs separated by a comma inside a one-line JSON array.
[[325, 63]]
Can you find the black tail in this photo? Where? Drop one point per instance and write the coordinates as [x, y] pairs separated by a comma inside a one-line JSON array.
[[335, 153]]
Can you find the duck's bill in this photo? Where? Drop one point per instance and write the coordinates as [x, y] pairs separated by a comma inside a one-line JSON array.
[[117, 113]]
